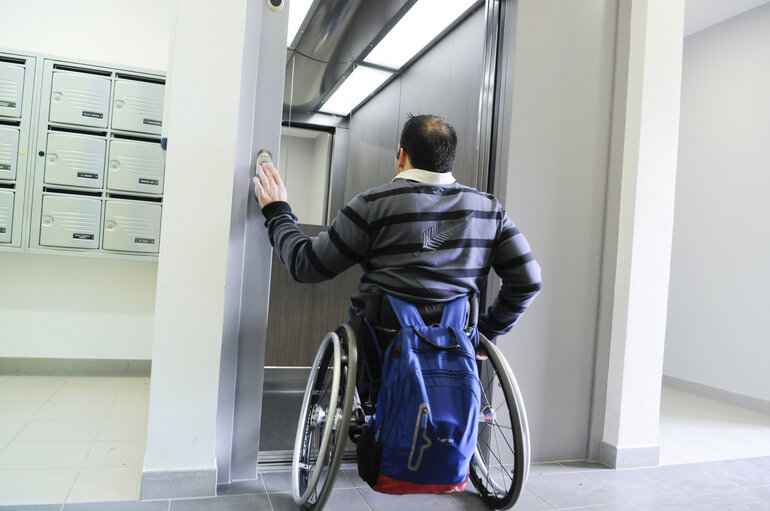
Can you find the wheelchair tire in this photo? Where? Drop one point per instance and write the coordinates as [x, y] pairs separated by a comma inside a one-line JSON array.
[[324, 419], [500, 466]]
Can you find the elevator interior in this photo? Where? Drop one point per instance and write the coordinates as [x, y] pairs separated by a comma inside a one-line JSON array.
[[333, 149]]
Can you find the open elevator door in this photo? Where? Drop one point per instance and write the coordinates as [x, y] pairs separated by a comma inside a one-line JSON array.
[[365, 140]]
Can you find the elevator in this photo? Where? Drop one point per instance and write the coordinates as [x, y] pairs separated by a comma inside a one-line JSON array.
[[330, 150]]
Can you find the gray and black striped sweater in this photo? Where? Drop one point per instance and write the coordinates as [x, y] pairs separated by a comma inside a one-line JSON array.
[[419, 242]]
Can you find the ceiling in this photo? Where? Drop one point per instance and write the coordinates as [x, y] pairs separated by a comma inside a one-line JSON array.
[[700, 14]]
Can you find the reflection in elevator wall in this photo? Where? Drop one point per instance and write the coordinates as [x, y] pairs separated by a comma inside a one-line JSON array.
[[446, 80]]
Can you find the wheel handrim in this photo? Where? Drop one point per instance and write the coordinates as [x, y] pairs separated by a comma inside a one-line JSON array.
[[307, 468]]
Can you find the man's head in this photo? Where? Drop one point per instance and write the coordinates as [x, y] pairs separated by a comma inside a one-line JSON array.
[[429, 143]]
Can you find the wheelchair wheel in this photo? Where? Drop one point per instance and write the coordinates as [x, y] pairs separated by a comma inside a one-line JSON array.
[[324, 419], [500, 465]]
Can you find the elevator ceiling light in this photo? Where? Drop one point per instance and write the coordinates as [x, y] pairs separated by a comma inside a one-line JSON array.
[[297, 12], [416, 29], [362, 82]]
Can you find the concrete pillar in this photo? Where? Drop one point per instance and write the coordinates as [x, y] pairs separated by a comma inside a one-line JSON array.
[[639, 225], [204, 94]]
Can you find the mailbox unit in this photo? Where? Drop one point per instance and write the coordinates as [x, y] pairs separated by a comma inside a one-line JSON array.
[[9, 152], [135, 166], [137, 107], [6, 215], [99, 167], [17, 97], [132, 226], [70, 221], [11, 89], [79, 99], [75, 160]]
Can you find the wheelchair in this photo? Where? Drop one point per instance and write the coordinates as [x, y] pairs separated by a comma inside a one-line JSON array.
[[332, 411]]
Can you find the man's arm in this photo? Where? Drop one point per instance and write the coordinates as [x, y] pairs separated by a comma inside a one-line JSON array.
[[311, 259], [512, 260]]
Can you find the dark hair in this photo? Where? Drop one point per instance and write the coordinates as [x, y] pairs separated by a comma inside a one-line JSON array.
[[430, 142]]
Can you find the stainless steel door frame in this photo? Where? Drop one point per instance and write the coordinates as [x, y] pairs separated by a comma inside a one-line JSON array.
[[249, 256]]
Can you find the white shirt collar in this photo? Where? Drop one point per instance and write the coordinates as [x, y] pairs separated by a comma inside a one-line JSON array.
[[426, 176]]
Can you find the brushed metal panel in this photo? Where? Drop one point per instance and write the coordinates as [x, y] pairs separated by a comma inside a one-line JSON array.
[[337, 32], [302, 314], [373, 141], [447, 81]]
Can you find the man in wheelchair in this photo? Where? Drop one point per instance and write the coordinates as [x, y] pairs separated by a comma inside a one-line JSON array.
[[423, 238]]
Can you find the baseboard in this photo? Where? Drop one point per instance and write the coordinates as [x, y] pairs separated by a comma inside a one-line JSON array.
[[73, 367], [178, 484], [725, 396], [629, 457]]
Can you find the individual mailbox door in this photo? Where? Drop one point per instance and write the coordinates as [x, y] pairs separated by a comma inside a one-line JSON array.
[[137, 106], [135, 166], [9, 150], [75, 160], [79, 98], [70, 222], [6, 215], [132, 226], [11, 89]]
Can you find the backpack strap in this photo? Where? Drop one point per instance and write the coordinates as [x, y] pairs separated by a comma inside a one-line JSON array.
[[406, 313], [455, 313]]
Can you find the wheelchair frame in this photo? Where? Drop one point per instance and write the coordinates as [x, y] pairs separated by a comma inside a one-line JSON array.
[[330, 409]]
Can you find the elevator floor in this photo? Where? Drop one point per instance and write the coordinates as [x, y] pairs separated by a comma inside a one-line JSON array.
[[281, 402]]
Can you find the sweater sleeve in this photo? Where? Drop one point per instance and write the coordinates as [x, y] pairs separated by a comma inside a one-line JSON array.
[[315, 259], [513, 262]]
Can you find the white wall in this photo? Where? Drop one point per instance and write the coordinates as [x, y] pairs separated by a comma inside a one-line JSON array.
[[720, 277], [129, 33], [73, 307], [555, 158]]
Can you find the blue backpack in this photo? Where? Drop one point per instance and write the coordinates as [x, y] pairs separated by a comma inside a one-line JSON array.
[[425, 427]]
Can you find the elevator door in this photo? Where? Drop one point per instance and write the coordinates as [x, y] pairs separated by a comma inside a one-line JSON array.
[[300, 314]]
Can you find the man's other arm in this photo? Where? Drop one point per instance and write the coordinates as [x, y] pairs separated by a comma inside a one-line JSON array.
[[512, 260]]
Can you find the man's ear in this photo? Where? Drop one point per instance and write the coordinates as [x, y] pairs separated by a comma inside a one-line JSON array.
[[401, 158]]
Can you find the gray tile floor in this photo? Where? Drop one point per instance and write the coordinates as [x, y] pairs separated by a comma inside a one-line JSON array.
[[701, 443], [717, 485]]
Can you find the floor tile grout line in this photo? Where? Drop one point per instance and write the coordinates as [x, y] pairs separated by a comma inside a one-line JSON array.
[[90, 449], [269, 501], [363, 498]]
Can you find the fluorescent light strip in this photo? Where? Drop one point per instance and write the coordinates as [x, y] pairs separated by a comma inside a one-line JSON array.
[[357, 87], [297, 12], [415, 30]]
